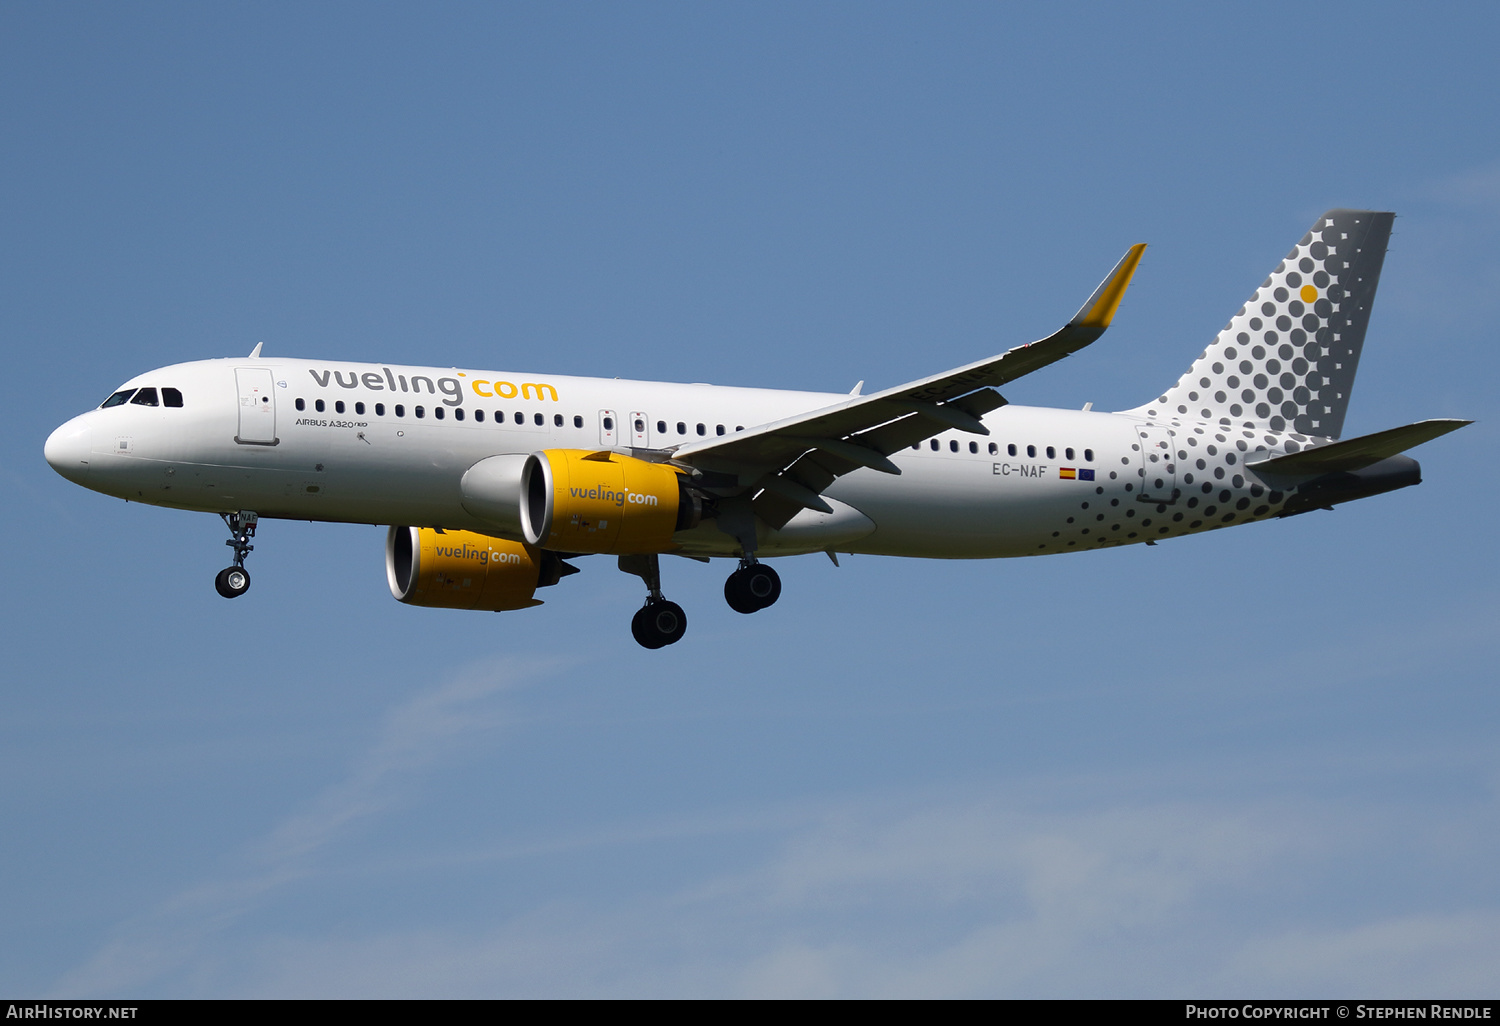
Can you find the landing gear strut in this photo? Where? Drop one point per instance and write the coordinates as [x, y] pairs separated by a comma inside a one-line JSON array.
[[659, 622], [752, 587], [234, 581]]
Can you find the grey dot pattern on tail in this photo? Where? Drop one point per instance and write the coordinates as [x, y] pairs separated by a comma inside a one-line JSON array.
[[1286, 361], [1213, 488]]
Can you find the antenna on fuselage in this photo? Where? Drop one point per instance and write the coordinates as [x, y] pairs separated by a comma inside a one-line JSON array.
[[256, 351]]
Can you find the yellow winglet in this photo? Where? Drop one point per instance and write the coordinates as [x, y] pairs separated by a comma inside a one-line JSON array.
[[1101, 307]]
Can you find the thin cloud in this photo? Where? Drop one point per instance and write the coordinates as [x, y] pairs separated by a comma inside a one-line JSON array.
[[1452, 955], [1476, 188], [432, 725], [985, 898]]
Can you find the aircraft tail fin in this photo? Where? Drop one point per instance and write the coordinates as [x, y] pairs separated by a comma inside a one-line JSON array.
[[1286, 360]]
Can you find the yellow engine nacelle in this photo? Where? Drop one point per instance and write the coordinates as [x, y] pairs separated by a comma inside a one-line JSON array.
[[462, 570], [578, 500]]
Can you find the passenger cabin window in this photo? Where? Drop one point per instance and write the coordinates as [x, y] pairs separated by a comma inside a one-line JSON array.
[[359, 408], [1011, 448], [118, 399], [380, 409], [973, 446], [400, 410], [718, 429], [171, 397], [1069, 454], [1031, 451], [953, 446], [319, 406], [437, 412], [681, 428], [934, 445], [661, 427], [1051, 453], [144, 397], [609, 423], [338, 406], [301, 405], [479, 416], [419, 412], [1088, 455], [994, 449], [458, 414], [557, 420], [702, 430], [539, 420], [520, 417], [577, 421]]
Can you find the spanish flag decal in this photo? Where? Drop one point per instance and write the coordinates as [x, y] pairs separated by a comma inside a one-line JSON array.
[[1067, 473]]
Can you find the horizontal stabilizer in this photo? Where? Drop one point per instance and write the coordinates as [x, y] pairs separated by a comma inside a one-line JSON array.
[[1356, 453]]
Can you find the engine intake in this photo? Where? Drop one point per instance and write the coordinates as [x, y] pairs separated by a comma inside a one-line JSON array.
[[575, 500], [463, 570]]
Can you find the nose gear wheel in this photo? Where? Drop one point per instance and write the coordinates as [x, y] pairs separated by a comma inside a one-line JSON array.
[[234, 581]]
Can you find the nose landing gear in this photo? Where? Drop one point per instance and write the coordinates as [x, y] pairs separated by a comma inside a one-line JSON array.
[[234, 581], [752, 587]]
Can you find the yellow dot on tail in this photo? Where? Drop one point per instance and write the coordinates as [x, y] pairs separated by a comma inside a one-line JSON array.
[[1309, 294]]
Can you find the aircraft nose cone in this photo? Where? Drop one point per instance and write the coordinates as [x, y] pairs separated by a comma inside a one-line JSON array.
[[68, 449]]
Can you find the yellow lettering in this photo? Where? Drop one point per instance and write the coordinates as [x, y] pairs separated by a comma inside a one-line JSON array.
[[527, 386], [487, 395], [500, 390]]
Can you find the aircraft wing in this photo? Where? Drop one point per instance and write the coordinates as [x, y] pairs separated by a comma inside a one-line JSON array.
[[792, 461]]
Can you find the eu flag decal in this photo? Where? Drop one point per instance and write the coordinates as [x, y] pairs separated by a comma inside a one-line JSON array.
[[1085, 475]]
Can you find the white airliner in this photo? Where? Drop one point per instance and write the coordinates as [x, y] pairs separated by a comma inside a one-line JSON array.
[[495, 479]]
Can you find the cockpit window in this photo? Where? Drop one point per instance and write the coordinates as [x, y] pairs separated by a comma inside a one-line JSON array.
[[144, 397], [118, 399], [171, 397]]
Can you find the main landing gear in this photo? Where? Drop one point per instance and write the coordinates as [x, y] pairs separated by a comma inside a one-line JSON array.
[[234, 581], [752, 587], [659, 622]]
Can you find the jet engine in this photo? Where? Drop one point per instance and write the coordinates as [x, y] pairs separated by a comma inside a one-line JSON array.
[[575, 500], [463, 570]]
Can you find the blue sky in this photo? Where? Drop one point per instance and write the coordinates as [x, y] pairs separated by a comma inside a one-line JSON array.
[[1260, 762]]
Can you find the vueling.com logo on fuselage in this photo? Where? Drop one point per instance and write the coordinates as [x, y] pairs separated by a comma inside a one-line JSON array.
[[610, 495], [387, 380]]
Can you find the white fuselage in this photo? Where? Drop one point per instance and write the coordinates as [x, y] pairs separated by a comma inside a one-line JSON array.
[[382, 444]]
